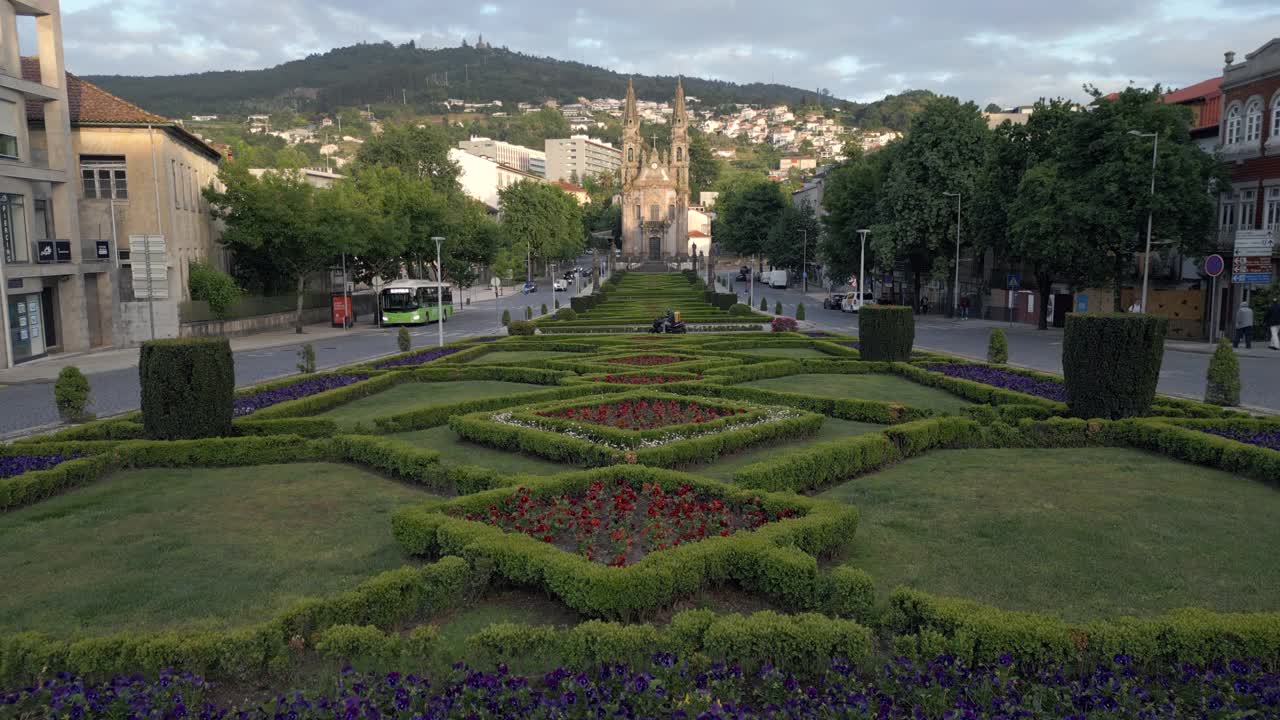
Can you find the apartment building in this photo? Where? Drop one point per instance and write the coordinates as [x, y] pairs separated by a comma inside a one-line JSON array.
[[516, 156], [56, 292], [482, 178], [579, 157]]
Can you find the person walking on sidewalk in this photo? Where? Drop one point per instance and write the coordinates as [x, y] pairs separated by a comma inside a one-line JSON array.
[[1244, 325], [964, 308], [1272, 319]]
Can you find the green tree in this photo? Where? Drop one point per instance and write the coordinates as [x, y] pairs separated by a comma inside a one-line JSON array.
[[542, 219], [281, 220], [704, 167], [943, 152], [851, 197], [419, 152], [472, 240], [795, 231], [746, 215]]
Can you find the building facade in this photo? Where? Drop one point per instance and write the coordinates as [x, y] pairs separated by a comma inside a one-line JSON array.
[[55, 293], [579, 157], [516, 156], [482, 179], [1249, 143], [655, 186]]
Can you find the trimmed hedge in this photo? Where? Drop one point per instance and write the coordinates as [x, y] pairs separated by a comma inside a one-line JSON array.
[[1223, 386], [1111, 363], [873, 411], [775, 559], [1190, 444], [436, 415], [886, 333], [188, 388]]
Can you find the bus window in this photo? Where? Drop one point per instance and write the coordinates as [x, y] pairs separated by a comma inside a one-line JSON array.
[[399, 300]]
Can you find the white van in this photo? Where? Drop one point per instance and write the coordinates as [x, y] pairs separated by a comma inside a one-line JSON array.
[[775, 278], [851, 304]]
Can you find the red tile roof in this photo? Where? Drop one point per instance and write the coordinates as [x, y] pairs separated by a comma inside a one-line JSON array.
[[89, 104], [570, 187], [1204, 89], [697, 234], [1206, 99]]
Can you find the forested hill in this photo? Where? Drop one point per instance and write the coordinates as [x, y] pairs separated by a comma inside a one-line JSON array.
[[382, 73]]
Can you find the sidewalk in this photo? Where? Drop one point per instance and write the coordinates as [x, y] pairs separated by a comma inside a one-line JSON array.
[[46, 370]]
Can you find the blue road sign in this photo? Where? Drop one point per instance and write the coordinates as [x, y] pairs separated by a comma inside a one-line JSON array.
[[1214, 265], [1014, 281]]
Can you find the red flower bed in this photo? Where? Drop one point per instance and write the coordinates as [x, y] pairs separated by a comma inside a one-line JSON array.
[[643, 414], [618, 524], [649, 360], [642, 379]]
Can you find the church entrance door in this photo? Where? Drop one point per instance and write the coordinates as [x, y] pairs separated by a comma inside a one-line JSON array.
[[655, 248]]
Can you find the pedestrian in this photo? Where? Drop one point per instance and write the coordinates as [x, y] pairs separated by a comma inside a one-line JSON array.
[[1244, 325], [1136, 307], [1272, 319], [964, 308], [924, 305]]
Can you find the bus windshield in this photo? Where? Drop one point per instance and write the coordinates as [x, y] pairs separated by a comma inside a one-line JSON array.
[[399, 300]]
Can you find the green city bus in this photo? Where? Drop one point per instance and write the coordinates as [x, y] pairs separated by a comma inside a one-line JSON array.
[[414, 302]]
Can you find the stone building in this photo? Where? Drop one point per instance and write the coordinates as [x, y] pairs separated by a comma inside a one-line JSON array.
[[655, 186]]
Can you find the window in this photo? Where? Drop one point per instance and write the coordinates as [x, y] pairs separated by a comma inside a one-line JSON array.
[[1227, 211], [104, 176], [631, 154], [638, 216], [13, 229], [1233, 125], [653, 212], [679, 154], [8, 129], [1272, 216], [44, 219], [1253, 122], [173, 179], [1248, 209], [1275, 119]]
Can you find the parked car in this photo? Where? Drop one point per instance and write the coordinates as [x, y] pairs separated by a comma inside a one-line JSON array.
[[833, 301], [529, 287], [851, 304], [559, 285], [744, 274]]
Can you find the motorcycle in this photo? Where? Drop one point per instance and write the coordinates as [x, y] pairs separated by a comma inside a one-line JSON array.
[[668, 324]]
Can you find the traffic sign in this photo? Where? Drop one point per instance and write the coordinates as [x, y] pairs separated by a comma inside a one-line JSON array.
[[1014, 281], [1214, 265]]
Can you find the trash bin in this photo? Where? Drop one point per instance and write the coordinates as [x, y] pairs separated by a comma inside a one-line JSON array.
[[343, 314]]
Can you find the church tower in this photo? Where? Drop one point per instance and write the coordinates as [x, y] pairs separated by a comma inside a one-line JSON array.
[[655, 186], [680, 142], [632, 148]]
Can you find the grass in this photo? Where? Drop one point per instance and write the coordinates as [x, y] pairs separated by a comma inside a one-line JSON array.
[[832, 429], [792, 353], [510, 606], [866, 386], [500, 357], [1086, 533], [454, 450], [195, 548], [411, 396]]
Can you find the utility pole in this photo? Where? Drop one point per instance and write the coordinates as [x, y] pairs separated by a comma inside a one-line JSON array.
[[404, 96], [1146, 258], [862, 269], [439, 292], [804, 262], [955, 297]]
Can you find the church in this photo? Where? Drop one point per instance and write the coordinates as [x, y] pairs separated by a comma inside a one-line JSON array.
[[655, 186]]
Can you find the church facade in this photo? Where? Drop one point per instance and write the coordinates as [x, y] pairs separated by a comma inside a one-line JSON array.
[[655, 186]]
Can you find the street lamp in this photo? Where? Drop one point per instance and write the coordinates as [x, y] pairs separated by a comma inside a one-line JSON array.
[[804, 261], [955, 295], [1146, 258], [862, 269], [439, 291]]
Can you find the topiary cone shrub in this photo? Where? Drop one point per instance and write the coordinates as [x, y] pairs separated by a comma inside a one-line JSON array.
[[1224, 376], [71, 395], [528, 312], [544, 309], [557, 303], [522, 327], [886, 333], [777, 308], [800, 311], [506, 317], [1111, 363], [404, 342], [997, 348], [188, 388], [764, 305]]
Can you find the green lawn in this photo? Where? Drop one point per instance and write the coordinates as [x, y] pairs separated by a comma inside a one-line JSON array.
[[866, 386], [207, 548], [792, 353], [456, 451], [512, 606], [1096, 532], [411, 396], [515, 356], [832, 429]]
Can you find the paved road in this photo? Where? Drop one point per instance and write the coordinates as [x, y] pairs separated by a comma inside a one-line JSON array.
[[28, 406], [1182, 373]]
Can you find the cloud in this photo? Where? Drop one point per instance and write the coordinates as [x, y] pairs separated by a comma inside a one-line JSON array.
[[1006, 51]]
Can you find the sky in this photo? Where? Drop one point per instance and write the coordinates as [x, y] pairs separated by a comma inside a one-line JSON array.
[[1004, 51]]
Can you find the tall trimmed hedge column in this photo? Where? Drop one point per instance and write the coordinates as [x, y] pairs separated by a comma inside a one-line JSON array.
[[1111, 363], [188, 388], [886, 333]]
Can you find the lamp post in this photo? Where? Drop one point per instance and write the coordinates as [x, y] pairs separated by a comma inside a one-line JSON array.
[[862, 269], [955, 295], [804, 262], [1146, 257], [439, 291]]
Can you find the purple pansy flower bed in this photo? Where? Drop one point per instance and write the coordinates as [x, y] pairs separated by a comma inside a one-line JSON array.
[[667, 687], [418, 358], [818, 334], [1269, 439], [13, 465], [266, 398], [1005, 379]]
